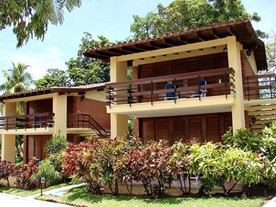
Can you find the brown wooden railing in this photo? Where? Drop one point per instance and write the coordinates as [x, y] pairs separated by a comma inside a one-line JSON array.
[[186, 85], [84, 120], [27, 121], [260, 87]]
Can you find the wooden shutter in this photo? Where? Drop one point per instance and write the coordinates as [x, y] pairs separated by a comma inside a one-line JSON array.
[[179, 131], [195, 128], [212, 129], [147, 129]]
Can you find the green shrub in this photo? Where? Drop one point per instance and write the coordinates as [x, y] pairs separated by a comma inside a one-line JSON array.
[[218, 164], [263, 144], [56, 144], [47, 170], [243, 138]]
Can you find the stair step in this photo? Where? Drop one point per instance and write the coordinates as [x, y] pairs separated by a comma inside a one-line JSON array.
[[261, 107], [263, 112]]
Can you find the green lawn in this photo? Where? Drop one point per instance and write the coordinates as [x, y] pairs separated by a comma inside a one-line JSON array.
[[79, 197], [24, 193]]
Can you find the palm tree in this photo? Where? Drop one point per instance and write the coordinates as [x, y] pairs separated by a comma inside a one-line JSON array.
[[17, 79]]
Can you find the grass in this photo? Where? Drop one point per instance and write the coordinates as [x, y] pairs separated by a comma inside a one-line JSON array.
[[79, 197], [25, 193]]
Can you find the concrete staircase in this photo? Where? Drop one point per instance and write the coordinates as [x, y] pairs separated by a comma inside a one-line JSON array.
[[261, 115]]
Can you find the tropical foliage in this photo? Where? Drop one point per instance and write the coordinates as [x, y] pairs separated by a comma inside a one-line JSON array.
[[53, 77], [106, 163], [31, 18], [56, 144], [23, 173], [271, 53], [6, 170], [17, 79], [83, 70], [185, 14]]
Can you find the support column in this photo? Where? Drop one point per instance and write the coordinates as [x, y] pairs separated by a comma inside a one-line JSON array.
[[118, 72], [8, 141], [60, 111], [234, 61], [8, 148], [119, 125]]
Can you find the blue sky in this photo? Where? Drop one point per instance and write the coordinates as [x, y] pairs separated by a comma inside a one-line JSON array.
[[110, 18]]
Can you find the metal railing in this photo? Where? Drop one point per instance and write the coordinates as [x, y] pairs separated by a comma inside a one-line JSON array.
[[84, 120], [260, 87], [27, 121], [186, 85]]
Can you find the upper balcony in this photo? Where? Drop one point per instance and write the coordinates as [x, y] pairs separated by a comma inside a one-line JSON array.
[[173, 93], [43, 123], [27, 124]]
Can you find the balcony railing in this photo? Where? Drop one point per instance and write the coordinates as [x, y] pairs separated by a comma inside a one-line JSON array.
[[27, 121], [185, 85], [260, 87], [83, 120]]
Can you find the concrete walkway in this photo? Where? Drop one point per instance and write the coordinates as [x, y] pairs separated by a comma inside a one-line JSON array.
[[30, 201], [271, 203], [56, 192], [13, 201]]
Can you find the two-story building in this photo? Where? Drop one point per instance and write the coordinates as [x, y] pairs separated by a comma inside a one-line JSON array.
[[189, 84], [74, 112]]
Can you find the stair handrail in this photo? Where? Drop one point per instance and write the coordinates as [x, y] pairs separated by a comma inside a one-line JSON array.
[[92, 123]]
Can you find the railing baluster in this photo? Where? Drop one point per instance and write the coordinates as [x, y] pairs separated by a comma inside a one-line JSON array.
[[129, 98], [174, 90], [109, 93], [225, 85], [151, 93], [199, 87]]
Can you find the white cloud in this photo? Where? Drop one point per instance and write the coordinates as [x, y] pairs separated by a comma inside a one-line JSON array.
[[39, 61]]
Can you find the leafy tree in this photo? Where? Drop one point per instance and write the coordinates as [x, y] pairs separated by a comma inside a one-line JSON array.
[[53, 77], [184, 14], [83, 70], [271, 53], [30, 18]]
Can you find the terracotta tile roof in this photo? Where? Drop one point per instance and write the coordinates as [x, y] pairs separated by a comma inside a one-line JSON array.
[[242, 29], [41, 91]]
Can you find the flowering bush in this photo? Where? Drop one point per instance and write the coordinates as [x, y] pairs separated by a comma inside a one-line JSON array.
[[23, 174], [78, 161], [6, 169], [108, 162]]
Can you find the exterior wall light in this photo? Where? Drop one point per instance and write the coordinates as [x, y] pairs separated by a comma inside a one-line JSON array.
[[253, 119]]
